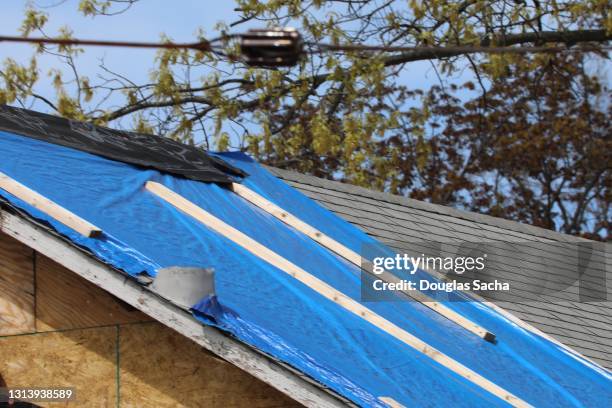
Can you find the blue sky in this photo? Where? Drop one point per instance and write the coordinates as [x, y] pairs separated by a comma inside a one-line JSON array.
[[179, 19], [146, 21]]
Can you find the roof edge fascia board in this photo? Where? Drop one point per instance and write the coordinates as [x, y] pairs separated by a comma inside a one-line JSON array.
[[283, 378]]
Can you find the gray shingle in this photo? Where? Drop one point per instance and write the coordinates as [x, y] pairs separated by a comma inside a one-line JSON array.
[[410, 225]]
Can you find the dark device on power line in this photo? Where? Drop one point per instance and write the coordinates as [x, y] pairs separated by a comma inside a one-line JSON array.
[[275, 47]]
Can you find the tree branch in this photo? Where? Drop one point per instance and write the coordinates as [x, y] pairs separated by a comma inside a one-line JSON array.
[[568, 37]]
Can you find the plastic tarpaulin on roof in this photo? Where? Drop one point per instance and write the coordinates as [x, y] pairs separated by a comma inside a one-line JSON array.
[[267, 309]]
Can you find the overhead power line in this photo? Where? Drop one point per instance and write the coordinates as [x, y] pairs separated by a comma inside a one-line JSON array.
[[201, 46], [284, 47]]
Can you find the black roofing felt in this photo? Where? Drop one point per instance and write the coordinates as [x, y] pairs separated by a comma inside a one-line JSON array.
[[134, 148]]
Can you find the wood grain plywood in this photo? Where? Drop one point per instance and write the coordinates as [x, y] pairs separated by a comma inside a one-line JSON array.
[[84, 359], [16, 287], [64, 300], [161, 368]]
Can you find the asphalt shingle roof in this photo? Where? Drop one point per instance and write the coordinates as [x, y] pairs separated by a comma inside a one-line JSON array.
[[408, 224]]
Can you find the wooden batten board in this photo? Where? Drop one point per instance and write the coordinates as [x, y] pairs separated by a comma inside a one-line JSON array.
[[47, 206], [282, 378], [391, 402], [328, 291], [522, 324], [297, 223], [355, 258]]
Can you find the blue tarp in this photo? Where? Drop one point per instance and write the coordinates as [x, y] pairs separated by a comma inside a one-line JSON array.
[[269, 310]]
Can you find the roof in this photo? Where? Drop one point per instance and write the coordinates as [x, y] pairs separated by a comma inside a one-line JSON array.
[[148, 151], [400, 222], [285, 308]]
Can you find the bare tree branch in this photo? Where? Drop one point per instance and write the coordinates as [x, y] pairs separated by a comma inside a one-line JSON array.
[[568, 37]]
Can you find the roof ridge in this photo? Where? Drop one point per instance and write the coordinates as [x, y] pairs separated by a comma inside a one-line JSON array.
[[515, 226], [139, 149]]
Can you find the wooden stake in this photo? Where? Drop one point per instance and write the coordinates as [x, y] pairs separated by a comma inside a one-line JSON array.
[[356, 259], [391, 402], [328, 291], [48, 207]]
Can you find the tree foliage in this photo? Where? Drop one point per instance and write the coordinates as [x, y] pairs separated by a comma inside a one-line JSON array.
[[536, 147], [527, 139]]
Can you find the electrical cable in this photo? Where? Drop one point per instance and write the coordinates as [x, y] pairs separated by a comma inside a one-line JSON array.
[[283, 47], [201, 46]]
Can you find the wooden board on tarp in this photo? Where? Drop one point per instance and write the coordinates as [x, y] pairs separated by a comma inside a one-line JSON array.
[[83, 359], [356, 259], [161, 368], [49, 207], [264, 369], [16, 287], [328, 291], [64, 300]]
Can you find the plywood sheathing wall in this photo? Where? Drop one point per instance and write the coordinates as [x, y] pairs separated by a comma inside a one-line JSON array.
[[16, 287], [64, 300], [82, 358], [185, 374], [56, 329]]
